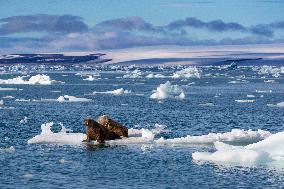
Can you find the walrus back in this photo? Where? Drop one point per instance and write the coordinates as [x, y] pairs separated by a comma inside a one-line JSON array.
[[113, 126]]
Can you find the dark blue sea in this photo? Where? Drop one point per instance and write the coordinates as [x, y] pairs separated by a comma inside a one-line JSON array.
[[234, 106]]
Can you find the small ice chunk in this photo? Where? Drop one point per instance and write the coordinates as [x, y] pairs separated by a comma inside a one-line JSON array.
[[167, 90]]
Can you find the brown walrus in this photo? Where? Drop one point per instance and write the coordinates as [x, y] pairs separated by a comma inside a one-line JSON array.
[[113, 126], [96, 131]]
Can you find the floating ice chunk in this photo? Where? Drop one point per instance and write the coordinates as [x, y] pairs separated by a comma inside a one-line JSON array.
[[151, 75], [114, 92], [68, 98], [245, 101], [90, 78], [8, 97], [232, 155], [189, 72], [134, 74], [274, 71], [1, 103], [47, 136], [267, 150], [250, 96], [8, 89], [269, 81], [273, 145], [279, 105], [148, 134], [11, 149], [238, 136], [167, 90], [238, 82], [24, 120], [34, 80], [22, 100], [263, 91], [206, 104]]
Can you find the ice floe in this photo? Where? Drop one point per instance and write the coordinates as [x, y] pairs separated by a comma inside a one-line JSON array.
[[119, 91], [66, 137], [90, 78], [47, 136], [151, 75], [278, 105], [11, 149], [39, 79], [189, 72], [24, 120], [245, 101], [238, 136], [267, 150], [68, 98], [133, 74], [167, 90], [274, 71], [8, 89]]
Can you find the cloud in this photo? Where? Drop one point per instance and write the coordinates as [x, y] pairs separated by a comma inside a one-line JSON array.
[[70, 33], [215, 25], [186, 5], [42, 23]]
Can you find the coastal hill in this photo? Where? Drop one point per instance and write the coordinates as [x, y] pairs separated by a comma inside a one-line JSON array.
[[268, 54]]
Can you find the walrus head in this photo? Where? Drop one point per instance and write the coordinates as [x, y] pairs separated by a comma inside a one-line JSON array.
[[88, 122], [103, 120]]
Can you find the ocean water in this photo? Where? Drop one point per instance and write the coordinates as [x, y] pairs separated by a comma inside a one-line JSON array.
[[217, 100]]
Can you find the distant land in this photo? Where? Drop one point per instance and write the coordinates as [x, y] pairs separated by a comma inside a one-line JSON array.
[[267, 54], [52, 58]]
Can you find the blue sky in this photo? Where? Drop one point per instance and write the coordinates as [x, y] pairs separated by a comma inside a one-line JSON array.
[[156, 22]]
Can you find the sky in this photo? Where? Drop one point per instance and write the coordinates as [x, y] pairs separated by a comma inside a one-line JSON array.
[[28, 26]]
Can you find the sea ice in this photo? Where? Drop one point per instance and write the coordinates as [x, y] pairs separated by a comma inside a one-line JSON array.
[[189, 72], [68, 98], [279, 105], [47, 136], [151, 75], [119, 91], [167, 90], [34, 80], [267, 150], [239, 136]]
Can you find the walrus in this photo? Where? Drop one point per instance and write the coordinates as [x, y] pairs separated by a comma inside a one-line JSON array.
[[98, 132], [113, 126]]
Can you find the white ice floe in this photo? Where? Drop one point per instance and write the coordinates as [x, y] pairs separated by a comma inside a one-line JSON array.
[[189, 72], [206, 104], [136, 136], [245, 101], [11, 149], [269, 81], [265, 151], [250, 96], [24, 120], [238, 82], [133, 74], [274, 71], [8, 89], [263, 91], [239, 136], [47, 136], [119, 91], [278, 105], [39, 79], [90, 78], [167, 90], [151, 75], [68, 98], [8, 97]]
